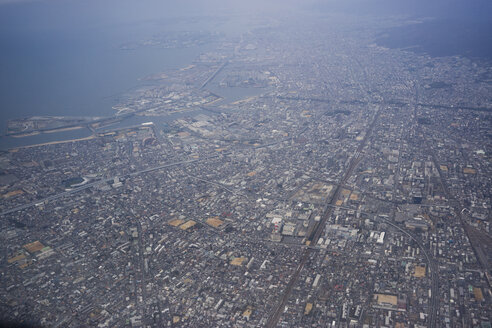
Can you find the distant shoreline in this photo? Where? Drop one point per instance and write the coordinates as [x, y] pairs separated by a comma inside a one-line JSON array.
[[52, 143], [441, 38], [68, 127]]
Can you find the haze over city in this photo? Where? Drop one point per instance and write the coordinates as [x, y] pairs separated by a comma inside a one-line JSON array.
[[245, 163]]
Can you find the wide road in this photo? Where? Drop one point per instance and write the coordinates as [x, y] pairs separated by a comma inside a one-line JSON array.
[[214, 74], [318, 229], [98, 182], [433, 267]]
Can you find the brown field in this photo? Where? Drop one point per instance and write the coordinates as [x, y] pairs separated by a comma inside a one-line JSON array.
[[354, 196], [16, 258], [13, 193], [308, 308], [175, 222], [214, 222], [34, 246], [478, 294], [387, 299], [238, 261], [187, 225], [419, 272]]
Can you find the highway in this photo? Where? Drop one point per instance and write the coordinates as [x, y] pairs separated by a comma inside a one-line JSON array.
[[318, 230], [313, 237], [459, 209], [213, 75], [98, 182], [433, 268]]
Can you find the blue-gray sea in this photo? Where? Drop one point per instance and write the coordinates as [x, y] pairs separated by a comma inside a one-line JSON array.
[[65, 58]]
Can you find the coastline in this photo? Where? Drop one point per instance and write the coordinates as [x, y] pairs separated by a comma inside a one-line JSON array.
[[52, 143]]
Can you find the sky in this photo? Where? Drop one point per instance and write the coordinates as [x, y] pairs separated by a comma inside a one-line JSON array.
[[154, 9], [49, 13]]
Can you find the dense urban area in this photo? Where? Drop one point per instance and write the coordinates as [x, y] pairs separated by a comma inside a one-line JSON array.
[[349, 187]]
